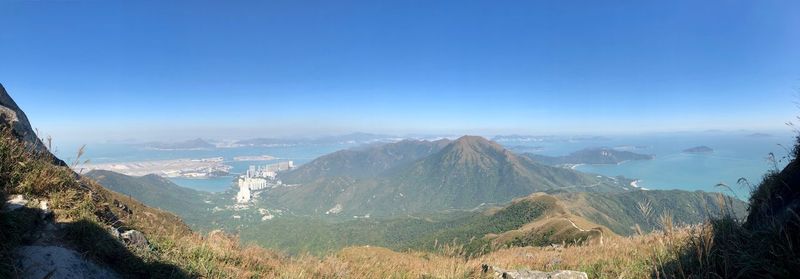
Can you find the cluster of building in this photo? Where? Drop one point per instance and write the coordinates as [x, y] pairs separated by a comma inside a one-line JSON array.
[[259, 178]]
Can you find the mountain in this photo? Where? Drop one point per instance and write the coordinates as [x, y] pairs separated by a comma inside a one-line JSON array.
[[464, 174], [594, 156], [528, 139], [184, 145], [156, 191], [365, 161]]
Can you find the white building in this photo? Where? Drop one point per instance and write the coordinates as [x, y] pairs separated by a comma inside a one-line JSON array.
[[253, 183], [244, 194]]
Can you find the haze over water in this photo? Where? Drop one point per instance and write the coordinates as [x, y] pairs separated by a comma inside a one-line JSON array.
[[736, 155]]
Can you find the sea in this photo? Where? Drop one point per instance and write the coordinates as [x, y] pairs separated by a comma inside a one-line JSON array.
[[738, 158], [116, 152]]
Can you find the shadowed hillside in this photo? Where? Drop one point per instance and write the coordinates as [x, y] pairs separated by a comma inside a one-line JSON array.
[[157, 192]]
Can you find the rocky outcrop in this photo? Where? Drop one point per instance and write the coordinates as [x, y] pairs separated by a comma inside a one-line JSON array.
[[495, 272], [15, 118]]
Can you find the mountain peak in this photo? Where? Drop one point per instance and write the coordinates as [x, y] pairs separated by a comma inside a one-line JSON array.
[[475, 148], [476, 141]]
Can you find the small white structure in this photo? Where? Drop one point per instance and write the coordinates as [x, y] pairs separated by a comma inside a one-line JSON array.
[[244, 194]]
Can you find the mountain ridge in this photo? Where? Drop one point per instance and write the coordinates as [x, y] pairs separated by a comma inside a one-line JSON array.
[[464, 173]]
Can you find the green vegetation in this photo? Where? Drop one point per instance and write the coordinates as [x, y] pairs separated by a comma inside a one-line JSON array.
[[428, 232], [298, 235], [158, 192]]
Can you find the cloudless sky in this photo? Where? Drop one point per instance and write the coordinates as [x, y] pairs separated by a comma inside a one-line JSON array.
[[99, 70]]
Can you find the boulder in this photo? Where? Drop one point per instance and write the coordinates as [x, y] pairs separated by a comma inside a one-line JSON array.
[[135, 238]]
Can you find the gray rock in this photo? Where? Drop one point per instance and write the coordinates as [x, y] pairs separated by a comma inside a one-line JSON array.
[[115, 233], [46, 212], [14, 202], [135, 238], [532, 274], [55, 262]]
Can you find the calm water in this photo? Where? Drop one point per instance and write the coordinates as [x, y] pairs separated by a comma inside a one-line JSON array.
[[106, 153], [735, 155]]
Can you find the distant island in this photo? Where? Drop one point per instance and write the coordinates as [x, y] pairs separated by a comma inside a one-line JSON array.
[[353, 138], [525, 138], [759, 135], [195, 144], [593, 156], [699, 149], [525, 148], [254, 158]]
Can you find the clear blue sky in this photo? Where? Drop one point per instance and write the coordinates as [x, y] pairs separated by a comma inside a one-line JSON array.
[[94, 70]]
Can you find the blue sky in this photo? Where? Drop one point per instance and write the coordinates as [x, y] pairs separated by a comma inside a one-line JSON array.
[[94, 70]]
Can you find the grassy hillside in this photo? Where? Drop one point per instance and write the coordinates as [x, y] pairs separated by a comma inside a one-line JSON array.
[[158, 192], [614, 214], [622, 212]]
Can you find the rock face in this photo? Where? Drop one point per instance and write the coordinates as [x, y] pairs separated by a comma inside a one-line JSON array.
[[15, 118], [55, 262], [532, 274]]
